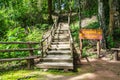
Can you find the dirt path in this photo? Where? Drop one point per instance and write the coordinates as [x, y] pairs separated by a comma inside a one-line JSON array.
[[88, 21], [98, 70]]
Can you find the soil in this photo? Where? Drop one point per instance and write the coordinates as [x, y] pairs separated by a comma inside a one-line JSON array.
[[98, 69]]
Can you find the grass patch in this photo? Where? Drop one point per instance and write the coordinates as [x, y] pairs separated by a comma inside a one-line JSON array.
[[36, 74], [23, 75]]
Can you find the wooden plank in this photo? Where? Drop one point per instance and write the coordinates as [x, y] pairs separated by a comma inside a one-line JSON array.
[[57, 65], [19, 42], [115, 49], [31, 53], [115, 55], [98, 49], [23, 49], [18, 59]]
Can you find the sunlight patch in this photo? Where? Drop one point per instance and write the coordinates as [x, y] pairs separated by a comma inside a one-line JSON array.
[[84, 76]]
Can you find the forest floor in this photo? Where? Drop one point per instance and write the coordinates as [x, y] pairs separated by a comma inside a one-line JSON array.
[[100, 69]]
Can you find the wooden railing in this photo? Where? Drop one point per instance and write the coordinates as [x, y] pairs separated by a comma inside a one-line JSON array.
[[30, 58], [71, 39], [45, 43], [43, 47], [72, 46]]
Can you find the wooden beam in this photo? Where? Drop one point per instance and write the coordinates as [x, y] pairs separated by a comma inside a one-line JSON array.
[[19, 42], [23, 49], [98, 48], [115, 49], [18, 59]]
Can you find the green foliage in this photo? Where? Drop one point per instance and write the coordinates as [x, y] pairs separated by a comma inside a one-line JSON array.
[[75, 33], [20, 13], [84, 52], [110, 42], [94, 25], [89, 13], [16, 34], [21, 20], [35, 34], [89, 8], [116, 33]]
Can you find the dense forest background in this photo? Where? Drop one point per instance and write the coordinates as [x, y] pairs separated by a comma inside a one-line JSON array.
[[27, 20]]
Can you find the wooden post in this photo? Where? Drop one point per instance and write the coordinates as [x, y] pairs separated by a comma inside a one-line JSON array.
[[98, 48], [42, 49], [81, 47], [30, 61], [47, 41], [116, 55]]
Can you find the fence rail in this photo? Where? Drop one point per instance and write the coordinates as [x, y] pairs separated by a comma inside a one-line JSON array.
[[19, 42], [43, 47], [23, 49], [30, 58]]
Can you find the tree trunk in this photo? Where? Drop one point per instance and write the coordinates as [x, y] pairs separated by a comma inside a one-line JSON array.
[[50, 11], [70, 13], [101, 18], [114, 16], [79, 14]]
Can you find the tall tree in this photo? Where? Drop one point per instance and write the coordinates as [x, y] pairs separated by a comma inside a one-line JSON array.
[[114, 15], [79, 13], [50, 11], [101, 19]]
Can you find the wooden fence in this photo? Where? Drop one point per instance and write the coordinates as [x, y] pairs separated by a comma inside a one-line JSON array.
[[30, 58], [44, 45]]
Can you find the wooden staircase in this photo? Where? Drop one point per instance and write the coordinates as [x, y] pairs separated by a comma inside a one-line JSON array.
[[59, 54]]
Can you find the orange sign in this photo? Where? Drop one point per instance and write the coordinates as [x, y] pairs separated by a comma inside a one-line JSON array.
[[91, 34]]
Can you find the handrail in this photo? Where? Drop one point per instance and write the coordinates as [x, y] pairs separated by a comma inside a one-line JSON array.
[[19, 42], [49, 37], [30, 58], [71, 39], [23, 49], [18, 59]]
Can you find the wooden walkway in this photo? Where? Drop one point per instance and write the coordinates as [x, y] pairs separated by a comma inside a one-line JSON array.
[[59, 54]]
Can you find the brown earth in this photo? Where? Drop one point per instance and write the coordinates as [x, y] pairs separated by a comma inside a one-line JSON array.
[[100, 69]]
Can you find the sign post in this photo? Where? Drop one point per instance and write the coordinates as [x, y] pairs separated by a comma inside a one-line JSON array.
[[91, 34]]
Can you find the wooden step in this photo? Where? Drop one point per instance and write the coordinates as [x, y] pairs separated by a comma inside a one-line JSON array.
[[55, 65], [64, 27], [57, 58], [59, 52], [62, 30], [60, 40], [62, 36], [59, 48], [61, 33], [60, 43]]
